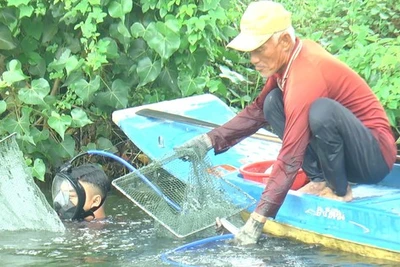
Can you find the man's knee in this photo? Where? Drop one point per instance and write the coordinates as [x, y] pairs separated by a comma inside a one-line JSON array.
[[320, 114], [341, 191]]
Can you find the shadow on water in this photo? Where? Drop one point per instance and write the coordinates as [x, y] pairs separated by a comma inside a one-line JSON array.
[[130, 239]]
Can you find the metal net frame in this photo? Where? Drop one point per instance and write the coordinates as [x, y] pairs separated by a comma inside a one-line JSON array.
[[184, 196]]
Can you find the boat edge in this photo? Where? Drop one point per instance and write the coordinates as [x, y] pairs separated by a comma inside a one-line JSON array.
[[284, 230]]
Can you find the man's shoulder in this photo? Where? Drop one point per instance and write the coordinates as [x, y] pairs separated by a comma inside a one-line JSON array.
[[314, 54], [311, 46]]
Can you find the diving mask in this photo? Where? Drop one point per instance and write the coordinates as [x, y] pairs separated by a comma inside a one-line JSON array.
[[69, 195]]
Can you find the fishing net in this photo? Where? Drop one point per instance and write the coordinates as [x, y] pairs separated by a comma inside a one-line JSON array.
[[184, 196], [22, 204]]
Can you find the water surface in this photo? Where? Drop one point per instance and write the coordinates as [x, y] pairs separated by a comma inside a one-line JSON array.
[[130, 239]]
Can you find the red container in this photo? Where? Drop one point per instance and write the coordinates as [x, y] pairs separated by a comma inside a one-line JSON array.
[[255, 172]]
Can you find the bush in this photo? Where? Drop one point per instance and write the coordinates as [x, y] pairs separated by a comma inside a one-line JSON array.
[[65, 65]]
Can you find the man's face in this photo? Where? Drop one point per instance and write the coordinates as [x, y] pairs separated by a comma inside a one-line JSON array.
[[269, 58], [90, 192], [69, 191], [92, 196]]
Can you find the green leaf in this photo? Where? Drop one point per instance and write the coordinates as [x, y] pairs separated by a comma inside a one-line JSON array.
[[192, 39], [112, 48], [59, 123], [17, 3], [94, 2], [118, 9], [162, 39], [85, 90], [3, 106], [173, 24], [35, 95], [106, 144], [137, 30], [190, 86], [66, 148], [20, 124], [169, 78], [233, 76], [33, 28], [9, 18], [115, 10], [25, 11], [34, 58], [38, 68], [79, 118], [123, 30], [196, 61], [29, 44], [27, 138], [383, 16], [6, 40], [116, 96], [217, 86], [39, 169], [90, 146], [70, 63], [148, 71], [38, 135], [392, 105], [49, 31], [126, 6]]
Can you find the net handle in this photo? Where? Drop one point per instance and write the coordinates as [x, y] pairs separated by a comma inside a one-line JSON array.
[[141, 176]]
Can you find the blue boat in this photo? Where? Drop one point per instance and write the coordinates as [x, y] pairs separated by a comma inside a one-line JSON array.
[[369, 225]]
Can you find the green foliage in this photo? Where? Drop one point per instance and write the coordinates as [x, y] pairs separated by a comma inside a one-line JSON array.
[[365, 35], [65, 65]]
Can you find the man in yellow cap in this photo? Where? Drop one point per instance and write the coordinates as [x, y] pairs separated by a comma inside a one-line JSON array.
[[330, 122]]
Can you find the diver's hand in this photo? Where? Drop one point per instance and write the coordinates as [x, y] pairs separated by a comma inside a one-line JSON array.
[[199, 146], [251, 231]]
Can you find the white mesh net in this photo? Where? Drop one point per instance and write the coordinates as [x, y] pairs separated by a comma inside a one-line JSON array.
[[187, 205]]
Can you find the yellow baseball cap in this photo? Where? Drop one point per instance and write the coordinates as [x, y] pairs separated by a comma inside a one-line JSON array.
[[259, 22]]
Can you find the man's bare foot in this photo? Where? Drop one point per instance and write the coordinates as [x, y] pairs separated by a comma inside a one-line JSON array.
[[328, 193], [313, 188]]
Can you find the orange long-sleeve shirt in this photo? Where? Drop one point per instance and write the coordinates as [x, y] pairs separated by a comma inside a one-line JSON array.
[[314, 73]]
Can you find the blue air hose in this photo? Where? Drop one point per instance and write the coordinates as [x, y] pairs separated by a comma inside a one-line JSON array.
[[193, 245], [133, 169]]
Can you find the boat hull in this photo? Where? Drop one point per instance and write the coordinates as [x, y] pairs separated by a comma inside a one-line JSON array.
[[284, 230]]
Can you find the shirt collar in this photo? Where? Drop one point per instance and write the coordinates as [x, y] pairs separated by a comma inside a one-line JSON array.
[[282, 80]]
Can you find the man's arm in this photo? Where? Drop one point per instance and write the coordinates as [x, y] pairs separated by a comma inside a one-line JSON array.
[[301, 92], [244, 124]]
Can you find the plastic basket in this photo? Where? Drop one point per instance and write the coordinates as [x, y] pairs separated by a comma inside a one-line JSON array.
[[256, 172]]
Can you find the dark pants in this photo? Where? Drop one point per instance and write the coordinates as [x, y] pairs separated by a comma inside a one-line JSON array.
[[341, 148]]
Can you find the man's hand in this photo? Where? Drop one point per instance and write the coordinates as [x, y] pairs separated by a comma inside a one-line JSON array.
[[251, 231], [197, 146]]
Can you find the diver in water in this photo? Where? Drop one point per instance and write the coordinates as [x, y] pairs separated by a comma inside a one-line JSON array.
[[79, 192]]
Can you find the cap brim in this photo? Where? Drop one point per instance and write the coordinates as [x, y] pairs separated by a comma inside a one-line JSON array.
[[247, 43]]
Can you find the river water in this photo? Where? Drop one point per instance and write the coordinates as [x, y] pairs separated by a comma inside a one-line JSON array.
[[129, 238]]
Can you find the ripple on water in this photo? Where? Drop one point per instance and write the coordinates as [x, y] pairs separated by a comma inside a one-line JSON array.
[[130, 239]]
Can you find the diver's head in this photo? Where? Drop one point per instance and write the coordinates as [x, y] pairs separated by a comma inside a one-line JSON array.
[[79, 192]]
